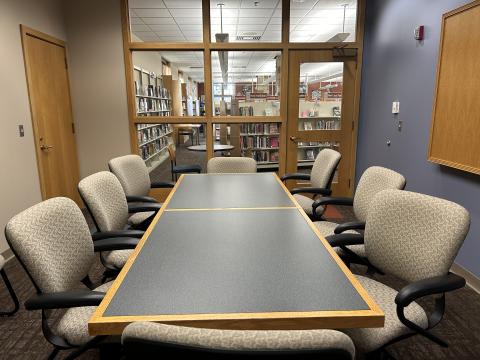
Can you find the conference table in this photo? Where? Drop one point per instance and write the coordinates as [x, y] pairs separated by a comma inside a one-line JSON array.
[[234, 251]]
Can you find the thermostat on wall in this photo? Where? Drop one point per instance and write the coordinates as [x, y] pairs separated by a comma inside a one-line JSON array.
[[419, 32]]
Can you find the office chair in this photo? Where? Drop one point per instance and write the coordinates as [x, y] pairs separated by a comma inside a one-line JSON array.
[[105, 200], [231, 165], [52, 242], [414, 237], [180, 169], [373, 180], [9, 287], [134, 177], [149, 340], [321, 178]]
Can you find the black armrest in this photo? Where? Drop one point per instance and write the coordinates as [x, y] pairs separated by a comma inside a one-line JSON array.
[[116, 234], [295, 176], [141, 207], [162, 184], [331, 201], [63, 300], [311, 190], [345, 239], [431, 286], [119, 243], [145, 199], [354, 225]]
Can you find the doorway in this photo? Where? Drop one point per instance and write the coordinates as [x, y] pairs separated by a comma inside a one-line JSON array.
[[50, 104], [321, 112]]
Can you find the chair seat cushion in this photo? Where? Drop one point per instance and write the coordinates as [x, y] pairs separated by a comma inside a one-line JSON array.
[[187, 168], [138, 218], [73, 325], [327, 228], [306, 203], [116, 258], [370, 339]]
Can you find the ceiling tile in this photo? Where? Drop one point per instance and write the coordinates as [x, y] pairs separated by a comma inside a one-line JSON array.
[[146, 4], [179, 4], [256, 13], [186, 13], [152, 12], [170, 27], [140, 28], [266, 4], [158, 20]]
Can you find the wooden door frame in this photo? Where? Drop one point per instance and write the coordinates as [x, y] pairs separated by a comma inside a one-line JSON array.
[[27, 31]]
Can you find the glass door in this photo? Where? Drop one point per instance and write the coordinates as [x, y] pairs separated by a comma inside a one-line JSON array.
[[321, 113]]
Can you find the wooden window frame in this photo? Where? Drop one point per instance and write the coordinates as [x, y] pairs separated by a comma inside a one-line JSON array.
[[207, 46]]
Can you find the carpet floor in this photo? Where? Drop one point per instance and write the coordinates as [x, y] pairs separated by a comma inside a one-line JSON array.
[[21, 336]]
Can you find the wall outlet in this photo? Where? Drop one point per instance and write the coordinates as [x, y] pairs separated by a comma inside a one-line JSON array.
[[395, 107]]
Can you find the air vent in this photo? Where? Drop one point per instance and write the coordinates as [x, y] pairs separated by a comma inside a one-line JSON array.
[[248, 37]]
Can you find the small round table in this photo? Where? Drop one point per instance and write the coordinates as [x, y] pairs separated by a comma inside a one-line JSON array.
[[216, 147]]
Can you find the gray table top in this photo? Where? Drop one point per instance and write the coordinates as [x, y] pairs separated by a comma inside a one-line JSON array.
[[216, 147], [210, 191], [235, 261]]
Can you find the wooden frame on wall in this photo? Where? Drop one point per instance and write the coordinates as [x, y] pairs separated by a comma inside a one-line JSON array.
[[454, 132], [207, 46]]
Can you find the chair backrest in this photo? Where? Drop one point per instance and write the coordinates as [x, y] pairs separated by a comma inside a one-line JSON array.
[[324, 168], [172, 153], [144, 339], [2, 262], [414, 236], [103, 195], [231, 165], [374, 180], [53, 243], [132, 173]]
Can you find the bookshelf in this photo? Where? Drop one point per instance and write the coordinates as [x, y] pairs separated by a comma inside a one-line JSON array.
[[261, 141], [151, 97], [153, 140]]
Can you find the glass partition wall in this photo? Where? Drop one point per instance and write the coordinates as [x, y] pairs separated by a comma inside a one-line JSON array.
[[210, 78]]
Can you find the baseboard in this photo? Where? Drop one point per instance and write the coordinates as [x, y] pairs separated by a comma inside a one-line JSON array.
[[472, 281], [8, 255]]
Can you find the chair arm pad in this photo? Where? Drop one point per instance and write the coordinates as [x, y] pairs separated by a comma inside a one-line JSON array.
[[331, 201], [311, 190], [62, 300], [144, 199], [141, 207], [119, 243], [354, 225], [431, 286], [116, 234], [345, 239], [162, 184], [295, 176]]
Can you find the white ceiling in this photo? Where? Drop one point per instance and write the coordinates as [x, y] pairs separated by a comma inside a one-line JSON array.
[[181, 20]]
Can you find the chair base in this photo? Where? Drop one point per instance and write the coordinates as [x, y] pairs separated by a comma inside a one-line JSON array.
[[12, 295]]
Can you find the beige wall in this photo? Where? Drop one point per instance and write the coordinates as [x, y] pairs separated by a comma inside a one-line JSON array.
[[97, 75], [19, 184]]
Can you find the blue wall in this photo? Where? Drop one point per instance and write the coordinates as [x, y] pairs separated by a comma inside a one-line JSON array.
[[397, 67]]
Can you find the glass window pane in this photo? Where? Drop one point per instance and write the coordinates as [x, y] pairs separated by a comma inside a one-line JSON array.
[[166, 20], [246, 83], [169, 83], [246, 20], [161, 145], [259, 141], [320, 96], [323, 20]]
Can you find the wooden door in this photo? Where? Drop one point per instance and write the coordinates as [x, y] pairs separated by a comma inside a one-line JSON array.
[[321, 95], [50, 104]]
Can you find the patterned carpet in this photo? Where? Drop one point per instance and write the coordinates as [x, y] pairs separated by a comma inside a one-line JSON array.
[[21, 336]]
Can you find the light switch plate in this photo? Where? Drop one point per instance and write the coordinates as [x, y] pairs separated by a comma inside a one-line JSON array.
[[395, 107]]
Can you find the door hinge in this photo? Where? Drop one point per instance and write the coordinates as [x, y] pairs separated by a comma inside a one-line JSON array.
[[73, 128], [349, 183], [66, 63]]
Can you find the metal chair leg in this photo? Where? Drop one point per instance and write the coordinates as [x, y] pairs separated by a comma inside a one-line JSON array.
[[54, 353], [12, 294]]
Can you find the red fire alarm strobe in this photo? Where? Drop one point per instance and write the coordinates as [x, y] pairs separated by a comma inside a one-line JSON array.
[[419, 32]]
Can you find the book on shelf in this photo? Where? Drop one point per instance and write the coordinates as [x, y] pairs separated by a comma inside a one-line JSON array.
[[307, 125], [310, 154]]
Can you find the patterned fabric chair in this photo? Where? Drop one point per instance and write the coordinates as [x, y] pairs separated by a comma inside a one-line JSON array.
[[134, 177], [104, 198], [373, 180], [320, 178], [414, 237], [10, 290], [53, 243], [231, 165], [145, 340]]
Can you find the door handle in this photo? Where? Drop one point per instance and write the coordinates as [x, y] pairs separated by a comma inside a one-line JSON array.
[[46, 147], [294, 139]]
